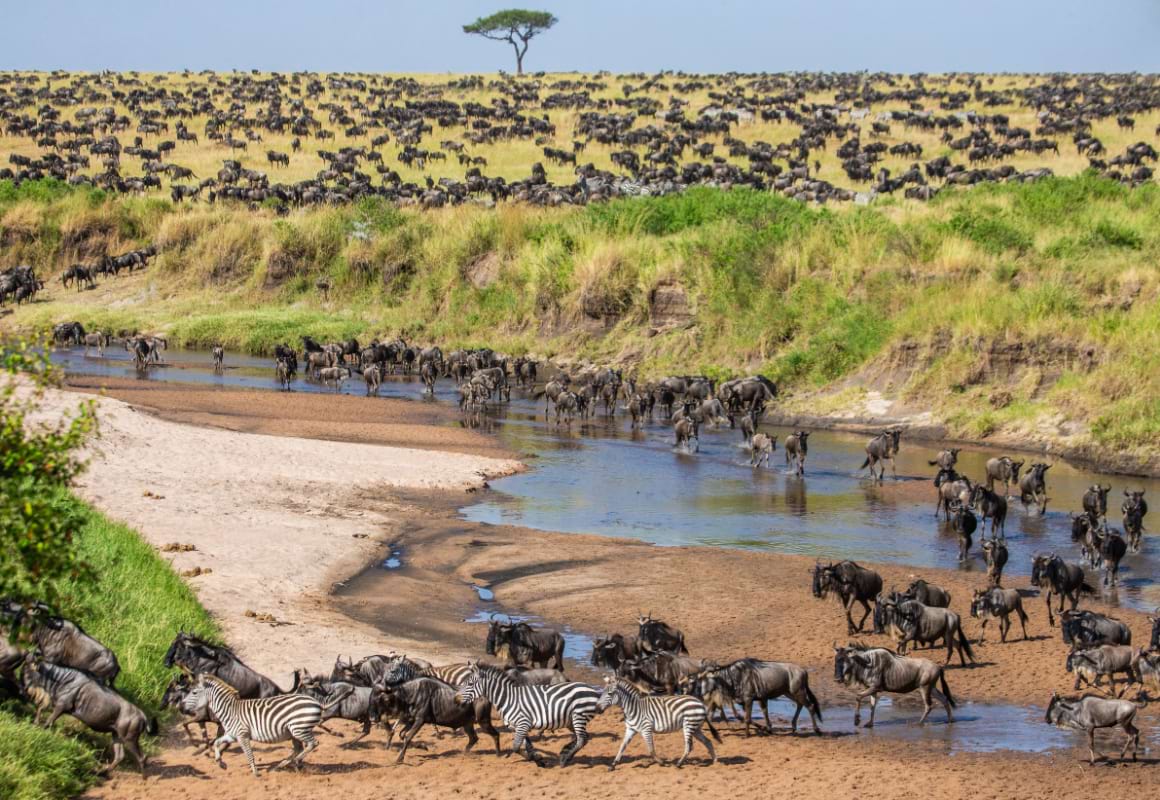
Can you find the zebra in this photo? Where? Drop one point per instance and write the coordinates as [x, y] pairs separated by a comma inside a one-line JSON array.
[[649, 714], [400, 670], [524, 707], [269, 719]]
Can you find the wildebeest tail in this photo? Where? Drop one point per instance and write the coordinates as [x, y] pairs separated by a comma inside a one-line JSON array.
[[965, 643], [682, 647], [946, 690], [812, 702], [152, 728], [1085, 588], [865, 463], [712, 730]]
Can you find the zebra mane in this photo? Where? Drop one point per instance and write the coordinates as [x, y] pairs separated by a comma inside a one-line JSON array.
[[215, 680]]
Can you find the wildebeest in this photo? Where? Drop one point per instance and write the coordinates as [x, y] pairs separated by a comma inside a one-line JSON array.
[[995, 553], [1095, 501], [946, 459], [333, 376], [1089, 664], [200, 657], [761, 448], [80, 695], [883, 447], [925, 625], [951, 488], [61, 641], [1134, 508], [928, 594], [878, 670], [662, 671], [993, 506], [1112, 551], [520, 643], [750, 680], [1003, 469], [424, 701], [964, 523], [429, 372], [1089, 628], [1052, 573], [852, 584], [796, 448], [341, 700], [175, 697], [1033, 487], [219, 357], [686, 432], [283, 373], [373, 378], [1088, 713], [995, 602], [610, 651], [657, 636]]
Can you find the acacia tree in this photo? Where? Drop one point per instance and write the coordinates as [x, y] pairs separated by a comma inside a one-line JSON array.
[[516, 26]]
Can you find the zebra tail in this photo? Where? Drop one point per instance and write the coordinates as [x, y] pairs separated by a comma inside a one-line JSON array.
[[946, 690], [814, 705]]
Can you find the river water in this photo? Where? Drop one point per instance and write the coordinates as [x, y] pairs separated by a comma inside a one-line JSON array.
[[601, 477]]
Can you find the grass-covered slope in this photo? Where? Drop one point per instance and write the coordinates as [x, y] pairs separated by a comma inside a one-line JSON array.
[[996, 307], [134, 605]]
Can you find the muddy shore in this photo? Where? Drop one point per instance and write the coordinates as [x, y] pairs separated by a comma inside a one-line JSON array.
[[729, 603]]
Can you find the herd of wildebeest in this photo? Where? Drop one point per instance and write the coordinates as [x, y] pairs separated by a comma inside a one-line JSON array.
[[126, 132], [649, 673]]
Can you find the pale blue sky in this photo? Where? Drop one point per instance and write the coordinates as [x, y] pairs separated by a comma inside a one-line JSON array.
[[618, 35]]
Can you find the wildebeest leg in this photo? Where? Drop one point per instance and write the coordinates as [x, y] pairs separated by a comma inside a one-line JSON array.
[[118, 757], [983, 629], [1004, 626], [134, 748], [1092, 746], [1050, 618], [924, 691], [768, 724], [628, 734], [873, 709], [1133, 739], [420, 719], [942, 698], [472, 737], [365, 732], [484, 722], [748, 716], [866, 606]]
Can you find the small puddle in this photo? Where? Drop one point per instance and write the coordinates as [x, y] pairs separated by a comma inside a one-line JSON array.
[[395, 559]]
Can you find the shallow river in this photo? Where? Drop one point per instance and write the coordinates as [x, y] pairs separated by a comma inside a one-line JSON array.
[[601, 477]]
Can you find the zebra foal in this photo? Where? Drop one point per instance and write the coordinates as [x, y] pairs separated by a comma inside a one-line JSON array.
[[651, 714], [266, 720], [571, 705]]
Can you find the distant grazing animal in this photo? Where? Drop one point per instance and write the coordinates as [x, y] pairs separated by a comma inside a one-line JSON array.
[[995, 553], [998, 603], [993, 506], [796, 448], [1052, 573], [761, 447], [1134, 508], [878, 670], [965, 523], [852, 583], [1089, 713], [1033, 487], [946, 459], [883, 447], [1003, 469], [1095, 501], [219, 357]]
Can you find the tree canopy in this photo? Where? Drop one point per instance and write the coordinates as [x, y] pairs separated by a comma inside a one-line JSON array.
[[516, 26]]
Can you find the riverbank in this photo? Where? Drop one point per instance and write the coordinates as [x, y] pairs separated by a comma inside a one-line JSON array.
[[1020, 313], [262, 526], [729, 603]]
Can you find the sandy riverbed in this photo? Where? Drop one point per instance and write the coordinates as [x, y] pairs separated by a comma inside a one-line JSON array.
[[234, 494]]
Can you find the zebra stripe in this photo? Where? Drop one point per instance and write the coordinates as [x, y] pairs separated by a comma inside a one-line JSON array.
[[570, 705], [267, 720], [652, 714], [402, 671]]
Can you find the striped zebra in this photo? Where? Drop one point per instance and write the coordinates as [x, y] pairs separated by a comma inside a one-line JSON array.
[[267, 720], [650, 714], [570, 705]]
